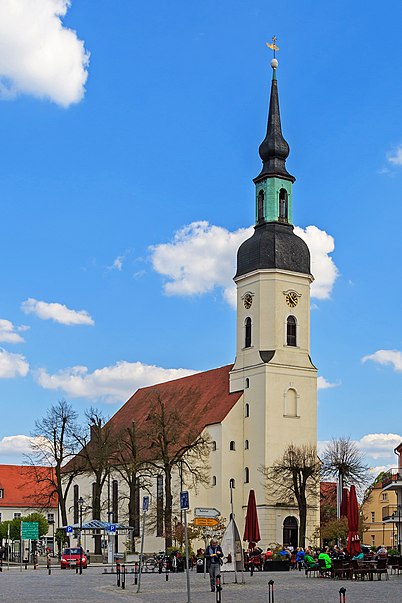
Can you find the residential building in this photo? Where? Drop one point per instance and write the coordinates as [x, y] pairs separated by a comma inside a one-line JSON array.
[[22, 494]]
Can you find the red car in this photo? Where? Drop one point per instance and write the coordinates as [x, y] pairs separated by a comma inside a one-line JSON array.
[[71, 558]]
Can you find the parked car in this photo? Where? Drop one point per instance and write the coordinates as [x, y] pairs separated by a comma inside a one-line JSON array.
[[71, 558]]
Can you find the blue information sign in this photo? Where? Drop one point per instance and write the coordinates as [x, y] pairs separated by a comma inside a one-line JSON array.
[[69, 529], [184, 501], [112, 528], [145, 503]]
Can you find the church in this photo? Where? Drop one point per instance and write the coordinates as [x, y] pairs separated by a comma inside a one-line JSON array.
[[252, 409]]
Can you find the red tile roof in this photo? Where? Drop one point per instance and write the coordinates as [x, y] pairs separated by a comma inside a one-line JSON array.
[[201, 399], [20, 488]]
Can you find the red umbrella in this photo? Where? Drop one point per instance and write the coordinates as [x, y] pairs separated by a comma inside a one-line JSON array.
[[252, 530], [353, 542], [344, 502]]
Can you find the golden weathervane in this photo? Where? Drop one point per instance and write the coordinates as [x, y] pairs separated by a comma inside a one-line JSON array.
[[273, 46]]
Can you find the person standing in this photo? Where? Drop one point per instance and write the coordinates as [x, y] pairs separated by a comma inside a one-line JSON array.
[[214, 554]]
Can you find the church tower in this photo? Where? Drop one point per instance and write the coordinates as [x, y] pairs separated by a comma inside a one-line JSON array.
[[273, 364]]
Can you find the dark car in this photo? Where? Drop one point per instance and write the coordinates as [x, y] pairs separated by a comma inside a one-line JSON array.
[[71, 558]]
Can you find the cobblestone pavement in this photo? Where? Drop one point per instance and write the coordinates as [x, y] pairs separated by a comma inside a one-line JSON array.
[[37, 586]]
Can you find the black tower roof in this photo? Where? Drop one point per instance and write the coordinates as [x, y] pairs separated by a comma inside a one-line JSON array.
[[274, 150], [273, 244]]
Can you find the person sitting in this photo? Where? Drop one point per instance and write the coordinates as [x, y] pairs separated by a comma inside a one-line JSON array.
[[268, 554], [359, 556], [326, 566], [309, 562], [284, 553]]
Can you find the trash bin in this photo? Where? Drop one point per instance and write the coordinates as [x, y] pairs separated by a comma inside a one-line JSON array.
[[200, 565]]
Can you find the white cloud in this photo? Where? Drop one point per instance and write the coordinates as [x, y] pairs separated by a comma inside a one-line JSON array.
[[57, 312], [202, 257], [112, 383], [384, 357], [324, 270], [9, 333], [38, 55], [395, 156], [379, 445], [18, 444], [12, 365], [117, 264], [322, 383]]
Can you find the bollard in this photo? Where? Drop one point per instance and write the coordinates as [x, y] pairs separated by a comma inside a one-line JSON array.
[[76, 569], [342, 595], [218, 589], [118, 573], [271, 592], [123, 578], [49, 565], [251, 569], [167, 575], [1, 565], [136, 573]]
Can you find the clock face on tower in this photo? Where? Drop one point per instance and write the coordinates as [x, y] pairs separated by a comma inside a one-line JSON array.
[[292, 299], [248, 301]]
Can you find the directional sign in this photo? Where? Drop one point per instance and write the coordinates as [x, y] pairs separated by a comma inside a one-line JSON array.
[[69, 529], [206, 512], [184, 501], [29, 530], [206, 522]]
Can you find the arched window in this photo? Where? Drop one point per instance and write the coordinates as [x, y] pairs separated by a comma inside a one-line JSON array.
[[247, 337], [247, 383], [232, 445], [214, 480], [291, 409], [245, 444], [260, 206], [213, 445], [283, 205], [290, 532], [247, 410], [246, 475], [291, 331], [232, 483]]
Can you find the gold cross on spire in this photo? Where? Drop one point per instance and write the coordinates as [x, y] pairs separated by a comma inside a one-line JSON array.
[[273, 46]]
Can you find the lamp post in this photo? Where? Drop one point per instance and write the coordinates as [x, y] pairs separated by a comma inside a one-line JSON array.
[[80, 505], [399, 528]]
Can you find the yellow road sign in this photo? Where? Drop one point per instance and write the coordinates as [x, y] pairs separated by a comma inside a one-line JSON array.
[[206, 521]]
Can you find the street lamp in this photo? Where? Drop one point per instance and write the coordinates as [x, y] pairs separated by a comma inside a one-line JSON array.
[[399, 528], [80, 505]]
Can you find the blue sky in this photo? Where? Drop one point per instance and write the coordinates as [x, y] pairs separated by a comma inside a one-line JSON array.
[[130, 136]]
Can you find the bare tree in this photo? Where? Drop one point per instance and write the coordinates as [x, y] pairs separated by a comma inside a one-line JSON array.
[[174, 446], [53, 445], [343, 459], [129, 460], [94, 457], [295, 478]]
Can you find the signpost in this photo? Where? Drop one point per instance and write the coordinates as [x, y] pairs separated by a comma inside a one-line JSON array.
[[30, 530], [206, 522], [69, 530], [206, 512], [184, 506]]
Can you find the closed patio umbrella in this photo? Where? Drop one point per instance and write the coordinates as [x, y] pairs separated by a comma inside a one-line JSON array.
[[252, 529], [353, 542]]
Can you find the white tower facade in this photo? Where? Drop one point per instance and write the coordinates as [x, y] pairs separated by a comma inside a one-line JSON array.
[[273, 364]]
